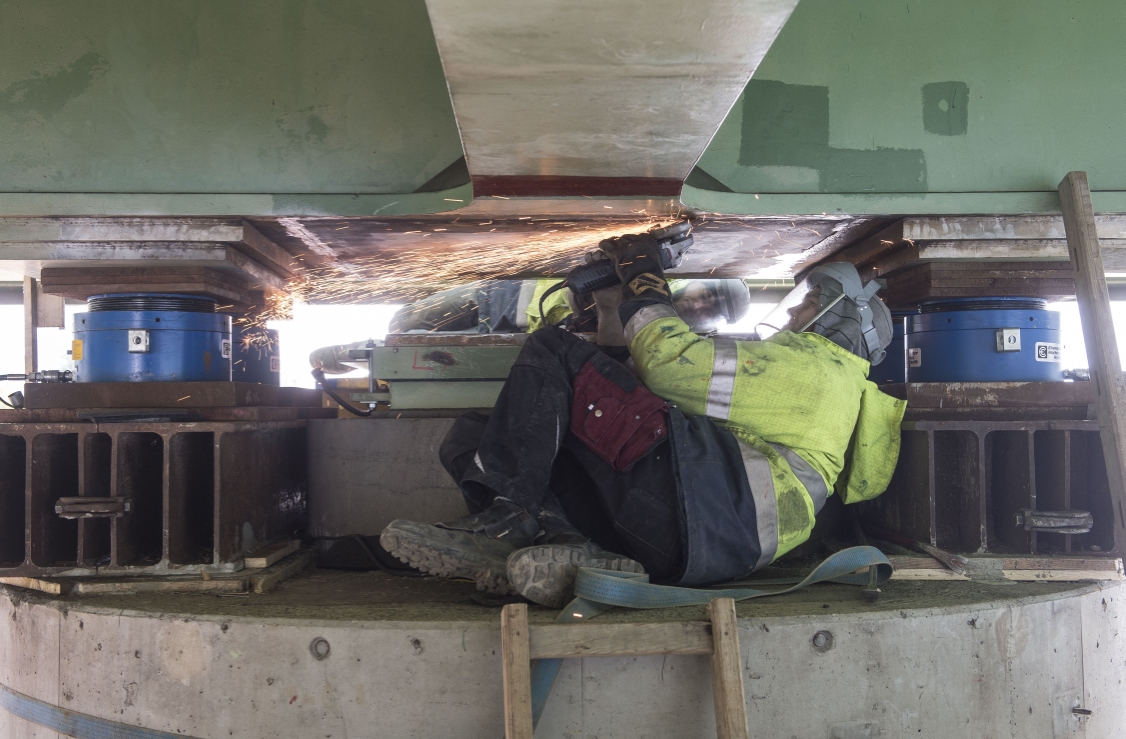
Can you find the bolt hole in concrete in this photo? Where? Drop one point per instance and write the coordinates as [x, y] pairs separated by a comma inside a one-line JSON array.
[[416, 644], [822, 641], [319, 648]]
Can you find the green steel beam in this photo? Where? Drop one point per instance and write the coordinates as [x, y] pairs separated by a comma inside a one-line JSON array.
[[925, 106], [212, 107]]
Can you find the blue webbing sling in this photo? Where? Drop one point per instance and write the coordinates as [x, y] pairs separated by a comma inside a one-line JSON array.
[[597, 591]]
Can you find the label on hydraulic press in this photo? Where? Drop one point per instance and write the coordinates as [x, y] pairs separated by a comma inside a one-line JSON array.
[[1046, 352], [915, 357], [226, 348], [275, 363], [76, 350]]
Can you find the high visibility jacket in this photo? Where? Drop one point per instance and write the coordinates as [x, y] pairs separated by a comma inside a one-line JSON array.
[[556, 307], [807, 419]]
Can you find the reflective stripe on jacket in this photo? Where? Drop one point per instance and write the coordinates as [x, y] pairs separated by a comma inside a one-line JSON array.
[[800, 406]]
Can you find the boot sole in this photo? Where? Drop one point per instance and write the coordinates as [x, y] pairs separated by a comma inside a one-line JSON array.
[[546, 574], [437, 558]]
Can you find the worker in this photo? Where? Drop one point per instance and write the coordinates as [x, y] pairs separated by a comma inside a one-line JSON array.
[[708, 466], [513, 306]]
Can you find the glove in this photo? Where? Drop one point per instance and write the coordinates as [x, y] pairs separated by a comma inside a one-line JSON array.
[[637, 260]]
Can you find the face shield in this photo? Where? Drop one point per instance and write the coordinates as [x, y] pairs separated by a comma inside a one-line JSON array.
[[833, 302], [809, 300], [708, 304]]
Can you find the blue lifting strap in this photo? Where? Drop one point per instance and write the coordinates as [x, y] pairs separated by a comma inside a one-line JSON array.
[[597, 591]]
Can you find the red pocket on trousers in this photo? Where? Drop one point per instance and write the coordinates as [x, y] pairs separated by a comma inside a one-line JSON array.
[[620, 427]]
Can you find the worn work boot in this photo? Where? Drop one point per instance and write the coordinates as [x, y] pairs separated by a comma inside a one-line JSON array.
[[545, 572], [474, 547]]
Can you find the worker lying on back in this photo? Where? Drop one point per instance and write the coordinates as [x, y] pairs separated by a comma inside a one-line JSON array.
[[512, 306], [709, 467]]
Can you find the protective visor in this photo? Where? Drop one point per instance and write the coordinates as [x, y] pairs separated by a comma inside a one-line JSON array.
[[807, 302]]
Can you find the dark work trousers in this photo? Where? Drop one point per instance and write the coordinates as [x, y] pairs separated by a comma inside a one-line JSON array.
[[525, 453]]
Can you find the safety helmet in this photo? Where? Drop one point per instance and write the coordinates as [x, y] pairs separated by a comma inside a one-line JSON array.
[[833, 301], [718, 301]]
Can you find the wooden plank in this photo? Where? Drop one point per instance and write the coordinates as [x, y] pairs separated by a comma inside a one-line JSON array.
[[620, 640], [935, 228], [516, 671], [911, 563], [150, 395], [52, 587], [165, 585], [727, 672], [256, 246], [1061, 575], [1098, 334], [266, 556], [926, 574], [49, 308], [1095, 564], [81, 283], [268, 579], [30, 324]]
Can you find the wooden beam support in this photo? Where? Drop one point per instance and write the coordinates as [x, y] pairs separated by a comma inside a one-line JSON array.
[[1098, 334], [516, 671], [727, 672], [30, 324]]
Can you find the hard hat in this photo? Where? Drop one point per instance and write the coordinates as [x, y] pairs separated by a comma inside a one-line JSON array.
[[833, 301]]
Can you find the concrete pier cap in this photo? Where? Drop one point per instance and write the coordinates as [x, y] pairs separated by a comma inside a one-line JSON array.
[[1016, 664]]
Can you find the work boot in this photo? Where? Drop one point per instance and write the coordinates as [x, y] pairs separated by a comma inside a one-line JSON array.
[[545, 572], [475, 547]]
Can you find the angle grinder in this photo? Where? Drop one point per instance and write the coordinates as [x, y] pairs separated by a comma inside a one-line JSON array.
[[597, 272]]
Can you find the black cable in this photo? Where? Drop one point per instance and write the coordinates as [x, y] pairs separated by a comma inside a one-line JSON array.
[[554, 288], [319, 376], [8, 404]]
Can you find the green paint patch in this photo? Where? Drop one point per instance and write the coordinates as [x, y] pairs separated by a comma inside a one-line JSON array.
[[788, 126], [304, 126], [946, 108], [47, 94]]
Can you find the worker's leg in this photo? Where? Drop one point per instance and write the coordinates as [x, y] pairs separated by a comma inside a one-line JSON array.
[[504, 464], [638, 510], [510, 453]]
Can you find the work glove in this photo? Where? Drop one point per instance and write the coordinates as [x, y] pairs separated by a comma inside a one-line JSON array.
[[637, 259]]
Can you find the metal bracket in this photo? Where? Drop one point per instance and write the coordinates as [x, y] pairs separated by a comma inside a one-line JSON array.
[[91, 507], [1055, 522], [1008, 340], [138, 341]]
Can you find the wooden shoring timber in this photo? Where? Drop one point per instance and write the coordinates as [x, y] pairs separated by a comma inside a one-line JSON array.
[[1098, 334], [935, 280], [80, 283], [719, 638]]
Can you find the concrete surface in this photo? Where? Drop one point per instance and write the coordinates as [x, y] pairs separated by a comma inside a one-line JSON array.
[[995, 661], [365, 473]]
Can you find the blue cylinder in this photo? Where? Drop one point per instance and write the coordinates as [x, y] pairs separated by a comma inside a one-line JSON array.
[[984, 340], [152, 338], [894, 366]]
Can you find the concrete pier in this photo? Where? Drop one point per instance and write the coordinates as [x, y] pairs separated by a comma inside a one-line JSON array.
[[420, 658]]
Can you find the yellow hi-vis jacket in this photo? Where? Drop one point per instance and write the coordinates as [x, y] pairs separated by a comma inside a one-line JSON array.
[[806, 417]]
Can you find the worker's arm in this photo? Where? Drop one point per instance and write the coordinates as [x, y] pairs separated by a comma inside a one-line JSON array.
[[673, 362]]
